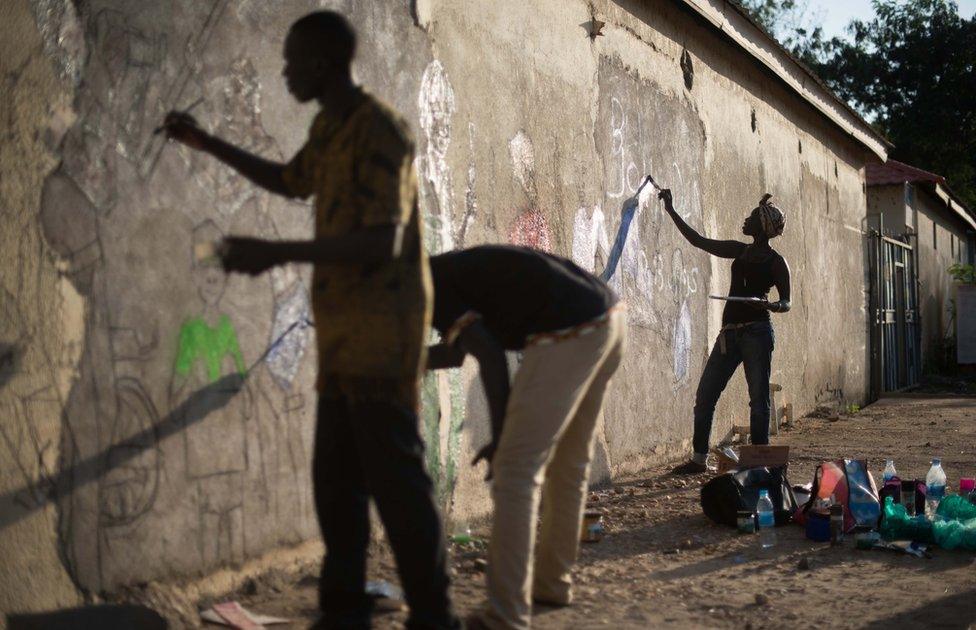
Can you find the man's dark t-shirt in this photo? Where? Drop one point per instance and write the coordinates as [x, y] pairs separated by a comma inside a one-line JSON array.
[[518, 292]]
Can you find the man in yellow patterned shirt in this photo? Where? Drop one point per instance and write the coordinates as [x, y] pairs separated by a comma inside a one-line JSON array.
[[371, 301]]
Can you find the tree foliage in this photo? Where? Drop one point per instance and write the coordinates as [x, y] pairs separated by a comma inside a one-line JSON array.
[[911, 70]]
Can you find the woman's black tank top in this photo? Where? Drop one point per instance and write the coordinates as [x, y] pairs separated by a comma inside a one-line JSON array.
[[749, 279]]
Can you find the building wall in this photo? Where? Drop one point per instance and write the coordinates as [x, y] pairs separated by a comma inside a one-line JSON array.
[[942, 241], [893, 203], [528, 131]]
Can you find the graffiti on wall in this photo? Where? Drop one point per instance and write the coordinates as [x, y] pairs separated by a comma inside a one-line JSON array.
[[233, 477], [437, 108], [645, 260], [442, 405], [531, 227]]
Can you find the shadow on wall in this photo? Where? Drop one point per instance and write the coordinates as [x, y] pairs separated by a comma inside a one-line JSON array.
[[18, 504]]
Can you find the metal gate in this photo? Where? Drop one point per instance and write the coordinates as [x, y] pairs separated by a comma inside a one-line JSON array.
[[896, 358]]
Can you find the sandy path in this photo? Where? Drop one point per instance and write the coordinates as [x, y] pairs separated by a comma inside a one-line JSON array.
[[663, 563]]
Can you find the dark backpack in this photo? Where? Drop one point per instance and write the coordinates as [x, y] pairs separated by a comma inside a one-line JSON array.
[[727, 494]]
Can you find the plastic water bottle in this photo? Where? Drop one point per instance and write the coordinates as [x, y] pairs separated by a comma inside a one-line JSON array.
[[935, 488], [889, 470], [767, 520]]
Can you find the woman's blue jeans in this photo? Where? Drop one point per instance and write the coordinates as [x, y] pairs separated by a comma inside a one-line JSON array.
[[751, 345]]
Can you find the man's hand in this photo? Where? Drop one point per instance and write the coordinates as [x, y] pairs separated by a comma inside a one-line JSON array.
[[665, 196], [249, 255], [183, 128], [486, 453]]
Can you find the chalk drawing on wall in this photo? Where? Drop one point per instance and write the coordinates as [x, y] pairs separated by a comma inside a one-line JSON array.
[[21, 446], [681, 344], [105, 416], [470, 197], [626, 269], [531, 227], [127, 491], [284, 358], [111, 386], [640, 131], [522, 154], [63, 37], [591, 244], [176, 92], [437, 108], [442, 410], [215, 447]]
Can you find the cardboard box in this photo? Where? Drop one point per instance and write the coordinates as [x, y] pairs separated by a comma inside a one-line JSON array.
[[753, 456]]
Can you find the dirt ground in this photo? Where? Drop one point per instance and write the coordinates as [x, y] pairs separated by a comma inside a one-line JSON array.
[[663, 563]]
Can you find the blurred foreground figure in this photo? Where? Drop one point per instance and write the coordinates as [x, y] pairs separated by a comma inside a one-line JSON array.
[[371, 300]]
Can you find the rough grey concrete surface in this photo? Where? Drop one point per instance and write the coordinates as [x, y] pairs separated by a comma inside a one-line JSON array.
[[126, 458]]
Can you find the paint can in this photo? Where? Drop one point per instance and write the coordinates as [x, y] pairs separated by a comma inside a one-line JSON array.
[[592, 526]]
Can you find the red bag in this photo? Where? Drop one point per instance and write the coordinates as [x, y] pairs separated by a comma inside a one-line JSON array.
[[851, 485]]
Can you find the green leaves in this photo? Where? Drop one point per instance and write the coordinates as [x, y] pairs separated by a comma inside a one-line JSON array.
[[965, 274], [910, 71]]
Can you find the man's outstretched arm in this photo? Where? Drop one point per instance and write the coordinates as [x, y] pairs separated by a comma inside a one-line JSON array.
[[267, 174], [372, 245]]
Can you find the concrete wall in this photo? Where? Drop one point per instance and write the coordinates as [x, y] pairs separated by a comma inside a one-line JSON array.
[[891, 202], [528, 131], [941, 241]]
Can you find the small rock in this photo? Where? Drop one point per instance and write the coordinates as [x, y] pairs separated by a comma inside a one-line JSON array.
[[803, 564], [687, 543], [480, 564], [833, 418], [761, 599]]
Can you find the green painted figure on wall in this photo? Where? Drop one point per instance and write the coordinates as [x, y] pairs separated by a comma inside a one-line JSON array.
[[215, 447], [210, 344]]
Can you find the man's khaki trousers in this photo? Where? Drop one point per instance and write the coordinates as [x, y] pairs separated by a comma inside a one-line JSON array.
[[548, 436]]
